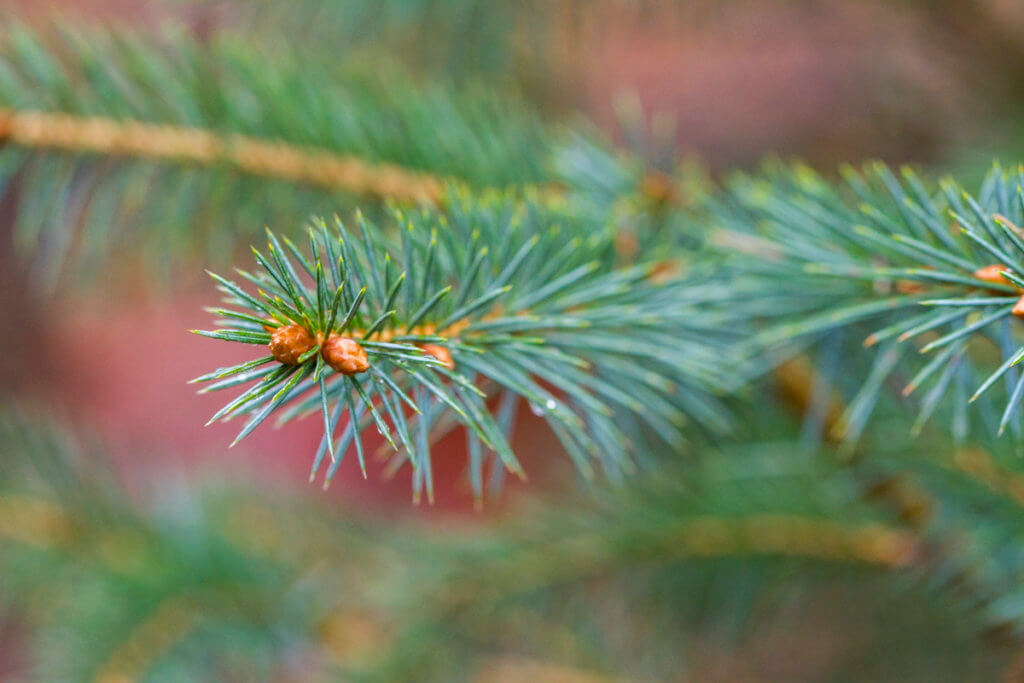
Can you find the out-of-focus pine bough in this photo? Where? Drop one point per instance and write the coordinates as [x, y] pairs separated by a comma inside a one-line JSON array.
[[184, 579], [170, 145], [494, 302]]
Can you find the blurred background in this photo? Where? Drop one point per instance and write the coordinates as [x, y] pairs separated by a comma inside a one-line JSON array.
[[135, 545]]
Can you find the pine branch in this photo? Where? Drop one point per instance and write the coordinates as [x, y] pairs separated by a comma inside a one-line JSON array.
[[702, 543], [170, 144], [490, 299], [648, 200], [181, 582], [469, 133], [202, 148], [894, 262], [968, 501], [183, 577]]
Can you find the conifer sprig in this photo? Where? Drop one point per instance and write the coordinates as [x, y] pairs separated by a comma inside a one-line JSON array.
[[896, 262], [496, 297]]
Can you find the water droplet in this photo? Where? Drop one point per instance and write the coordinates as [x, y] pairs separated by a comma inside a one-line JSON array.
[[540, 411]]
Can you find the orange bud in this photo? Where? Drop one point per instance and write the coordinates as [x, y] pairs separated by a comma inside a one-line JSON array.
[[441, 353], [659, 187], [1018, 308], [345, 355], [992, 274], [909, 287], [626, 244], [289, 342], [664, 271]]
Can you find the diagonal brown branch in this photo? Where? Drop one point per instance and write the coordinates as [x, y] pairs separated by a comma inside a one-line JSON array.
[[254, 156]]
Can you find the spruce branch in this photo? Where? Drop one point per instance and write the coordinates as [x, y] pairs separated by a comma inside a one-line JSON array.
[[479, 137], [968, 501], [669, 541], [173, 145], [185, 576], [219, 570], [97, 154], [202, 148], [172, 580], [494, 297], [897, 264]]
